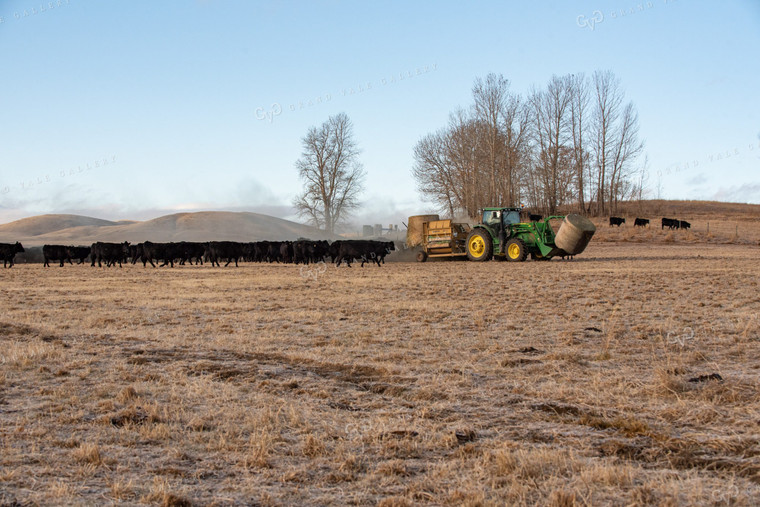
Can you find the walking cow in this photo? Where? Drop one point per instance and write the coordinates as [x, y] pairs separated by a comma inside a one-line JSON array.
[[8, 251], [641, 222], [616, 221], [55, 253], [111, 253]]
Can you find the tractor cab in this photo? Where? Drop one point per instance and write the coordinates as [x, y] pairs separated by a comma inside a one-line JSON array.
[[498, 217]]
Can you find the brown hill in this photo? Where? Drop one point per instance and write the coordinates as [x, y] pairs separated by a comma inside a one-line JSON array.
[[44, 224], [202, 226]]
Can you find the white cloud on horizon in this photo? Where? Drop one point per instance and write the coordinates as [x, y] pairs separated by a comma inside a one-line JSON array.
[[744, 193]]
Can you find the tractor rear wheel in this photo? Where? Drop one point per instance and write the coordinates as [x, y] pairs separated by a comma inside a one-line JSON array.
[[479, 246], [516, 251]]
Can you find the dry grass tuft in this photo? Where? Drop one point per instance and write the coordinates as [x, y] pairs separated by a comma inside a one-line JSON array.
[[88, 454], [563, 498], [260, 447], [314, 447], [627, 425], [127, 394]]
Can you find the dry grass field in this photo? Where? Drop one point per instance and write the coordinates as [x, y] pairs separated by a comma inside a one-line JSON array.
[[627, 376]]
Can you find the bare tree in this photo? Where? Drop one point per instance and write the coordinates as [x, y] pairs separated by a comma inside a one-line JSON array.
[[615, 140], [437, 178], [516, 145], [552, 137], [606, 111], [578, 124], [627, 148], [490, 102], [332, 175]]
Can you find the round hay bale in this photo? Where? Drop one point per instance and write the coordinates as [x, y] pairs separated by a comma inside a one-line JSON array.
[[414, 229], [574, 234]]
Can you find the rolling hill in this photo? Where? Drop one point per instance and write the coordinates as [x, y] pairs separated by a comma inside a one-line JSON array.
[[201, 226]]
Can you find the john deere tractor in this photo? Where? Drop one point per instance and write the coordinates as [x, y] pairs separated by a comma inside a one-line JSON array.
[[501, 233]]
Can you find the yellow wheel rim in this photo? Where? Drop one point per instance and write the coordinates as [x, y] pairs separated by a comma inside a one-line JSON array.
[[477, 246], [513, 251]]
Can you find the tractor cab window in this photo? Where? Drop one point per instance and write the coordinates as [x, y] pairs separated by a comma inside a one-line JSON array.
[[492, 218], [511, 217]]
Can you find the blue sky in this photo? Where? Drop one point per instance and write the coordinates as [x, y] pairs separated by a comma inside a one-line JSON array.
[[134, 109]]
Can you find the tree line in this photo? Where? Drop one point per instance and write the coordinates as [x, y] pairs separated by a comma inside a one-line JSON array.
[[574, 142]]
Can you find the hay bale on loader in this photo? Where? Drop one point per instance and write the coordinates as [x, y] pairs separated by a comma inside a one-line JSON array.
[[574, 234]]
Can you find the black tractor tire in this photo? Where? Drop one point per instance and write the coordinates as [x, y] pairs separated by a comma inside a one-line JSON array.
[[422, 256], [516, 251], [479, 246]]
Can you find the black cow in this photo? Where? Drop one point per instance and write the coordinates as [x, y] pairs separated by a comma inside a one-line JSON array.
[[261, 251], [317, 250], [641, 222], [366, 250], [56, 253], [379, 249], [684, 225], [137, 252], [300, 251], [171, 252], [670, 223], [333, 250], [308, 251], [191, 250], [8, 251], [273, 251], [220, 250], [148, 252], [290, 251], [534, 218], [249, 252], [616, 221], [79, 252], [109, 252]]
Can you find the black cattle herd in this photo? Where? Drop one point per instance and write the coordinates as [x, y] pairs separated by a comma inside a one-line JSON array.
[[670, 223], [294, 252], [214, 252]]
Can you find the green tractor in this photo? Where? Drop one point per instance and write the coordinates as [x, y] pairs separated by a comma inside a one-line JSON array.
[[501, 233]]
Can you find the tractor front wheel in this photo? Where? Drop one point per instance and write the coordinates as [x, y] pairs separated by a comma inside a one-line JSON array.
[[479, 246], [516, 250]]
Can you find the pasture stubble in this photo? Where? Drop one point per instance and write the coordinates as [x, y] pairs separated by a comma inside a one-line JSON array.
[[449, 383]]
